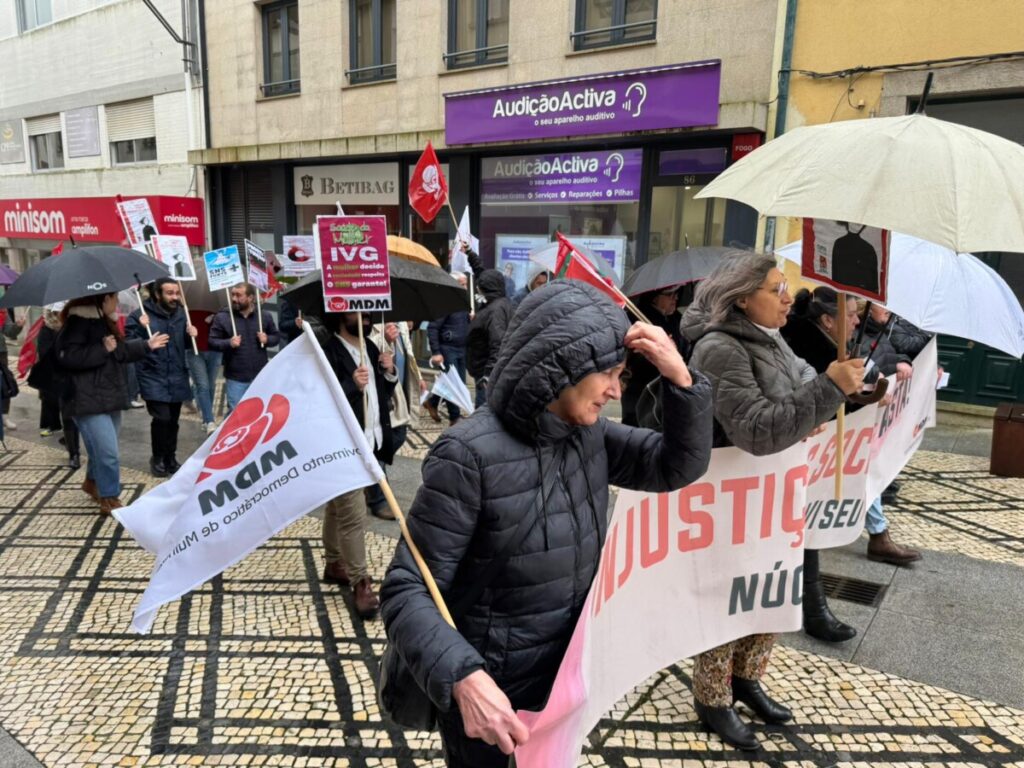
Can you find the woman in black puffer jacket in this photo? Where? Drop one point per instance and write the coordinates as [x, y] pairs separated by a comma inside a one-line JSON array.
[[559, 363], [93, 352]]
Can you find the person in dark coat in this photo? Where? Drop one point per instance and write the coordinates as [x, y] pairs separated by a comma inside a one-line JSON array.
[[245, 352], [660, 308], [11, 327], [94, 353], [163, 375], [537, 277], [559, 364], [368, 381], [52, 384], [486, 330], [907, 338], [447, 338]]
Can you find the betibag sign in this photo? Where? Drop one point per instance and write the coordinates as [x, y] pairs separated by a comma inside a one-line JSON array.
[[353, 255], [849, 257]]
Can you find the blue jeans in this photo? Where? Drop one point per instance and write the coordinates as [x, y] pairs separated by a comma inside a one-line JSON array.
[[99, 433], [453, 356], [876, 521], [235, 391], [203, 368]]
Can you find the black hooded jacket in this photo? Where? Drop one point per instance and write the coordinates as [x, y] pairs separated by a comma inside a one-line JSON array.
[[488, 326], [484, 474]]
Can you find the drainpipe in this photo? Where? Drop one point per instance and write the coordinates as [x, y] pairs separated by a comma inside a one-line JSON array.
[[781, 98], [204, 69]]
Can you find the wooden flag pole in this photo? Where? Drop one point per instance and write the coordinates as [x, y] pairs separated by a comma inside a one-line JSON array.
[[259, 314], [231, 314], [362, 362], [188, 320], [142, 310], [841, 413]]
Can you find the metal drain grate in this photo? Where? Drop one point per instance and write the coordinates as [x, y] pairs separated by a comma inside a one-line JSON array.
[[853, 590]]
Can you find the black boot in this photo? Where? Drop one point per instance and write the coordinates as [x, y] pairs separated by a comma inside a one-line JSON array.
[[752, 694], [727, 724], [74, 461], [819, 621], [171, 464], [156, 467]]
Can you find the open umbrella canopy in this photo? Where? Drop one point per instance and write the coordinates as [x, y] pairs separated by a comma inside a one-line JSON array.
[[941, 291], [418, 293], [949, 184], [410, 250], [547, 256], [7, 275], [672, 269], [78, 272]]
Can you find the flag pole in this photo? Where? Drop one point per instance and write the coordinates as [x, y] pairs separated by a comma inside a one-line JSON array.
[[259, 314], [362, 362], [188, 320], [231, 314], [472, 291], [629, 304], [841, 413]]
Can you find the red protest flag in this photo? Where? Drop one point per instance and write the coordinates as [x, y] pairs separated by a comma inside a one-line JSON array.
[[29, 353], [570, 264], [58, 250], [428, 190]]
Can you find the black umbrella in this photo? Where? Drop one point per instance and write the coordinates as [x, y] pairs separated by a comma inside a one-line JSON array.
[[419, 292], [672, 269], [78, 272]]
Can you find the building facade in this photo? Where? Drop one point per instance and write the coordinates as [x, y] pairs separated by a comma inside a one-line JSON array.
[[858, 60], [600, 119], [97, 100]]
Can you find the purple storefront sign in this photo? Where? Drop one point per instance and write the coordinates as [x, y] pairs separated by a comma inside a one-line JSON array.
[[676, 96], [567, 177], [692, 161]]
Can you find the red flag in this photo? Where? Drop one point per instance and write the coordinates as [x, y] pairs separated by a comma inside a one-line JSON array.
[[573, 265], [273, 286], [28, 354], [428, 190], [58, 250]]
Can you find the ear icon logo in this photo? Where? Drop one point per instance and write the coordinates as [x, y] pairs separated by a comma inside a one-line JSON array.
[[613, 166], [636, 95]]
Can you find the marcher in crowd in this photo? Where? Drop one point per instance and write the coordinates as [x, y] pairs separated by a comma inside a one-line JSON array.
[[404, 404], [203, 367], [660, 308], [538, 455], [289, 321], [368, 379], [245, 354], [12, 326], [163, 375], [907, 338], [447, 339], [537, 277], [93, 352], [53, 385], [765, 400], [486, 330]]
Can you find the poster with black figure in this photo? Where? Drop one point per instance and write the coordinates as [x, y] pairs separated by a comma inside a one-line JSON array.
[[849, 257]]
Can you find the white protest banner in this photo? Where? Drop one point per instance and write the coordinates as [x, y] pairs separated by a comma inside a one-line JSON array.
[[223, 268], [173, 251], [256, 261], [457, 260], [450, 386], [831, 522], [299, 257], [291, 445], [900, 426], [138, 222], [727, 549]]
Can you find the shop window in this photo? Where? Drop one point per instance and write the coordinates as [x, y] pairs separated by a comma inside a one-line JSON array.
[[372, 40], [133, 151], [477, 32], [601, 23], [34, 13], [280, 49]]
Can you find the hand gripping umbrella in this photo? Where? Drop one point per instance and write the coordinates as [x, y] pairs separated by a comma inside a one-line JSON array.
[[78, 272]]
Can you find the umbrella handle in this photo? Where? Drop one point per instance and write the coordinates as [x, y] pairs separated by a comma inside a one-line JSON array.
[[881, 388]]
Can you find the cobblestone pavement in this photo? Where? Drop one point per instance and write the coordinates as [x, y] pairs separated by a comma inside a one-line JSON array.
[[267, 666]]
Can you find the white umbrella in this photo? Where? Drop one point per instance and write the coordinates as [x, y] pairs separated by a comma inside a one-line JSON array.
[[941, 291], [956, 186]]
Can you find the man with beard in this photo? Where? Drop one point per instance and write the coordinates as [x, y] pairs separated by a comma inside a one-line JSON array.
[[368, 377], [245, 350], [163, 373]]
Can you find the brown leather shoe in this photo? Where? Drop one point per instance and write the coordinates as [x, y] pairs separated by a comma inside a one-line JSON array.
[[335, 573], [89, 486], [432, 410], [109, 503], [882, 549], [367, 602]]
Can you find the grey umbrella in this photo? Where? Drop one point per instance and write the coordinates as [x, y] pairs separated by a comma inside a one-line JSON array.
[[78, 272], [673, 269]]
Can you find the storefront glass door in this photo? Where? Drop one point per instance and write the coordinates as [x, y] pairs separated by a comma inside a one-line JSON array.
[[679, 220]]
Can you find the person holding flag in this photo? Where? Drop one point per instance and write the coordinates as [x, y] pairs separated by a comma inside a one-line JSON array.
[[512, 512]]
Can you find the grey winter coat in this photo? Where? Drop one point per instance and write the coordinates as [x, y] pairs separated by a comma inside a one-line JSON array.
[[485, 473], [766, 398], [907, 338]]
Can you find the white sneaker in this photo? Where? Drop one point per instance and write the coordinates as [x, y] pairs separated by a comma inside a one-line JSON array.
[[8, 424], [138, 402], [210, 427]]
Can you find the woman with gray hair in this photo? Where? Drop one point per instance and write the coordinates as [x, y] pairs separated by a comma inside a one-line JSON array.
[[765, 400]]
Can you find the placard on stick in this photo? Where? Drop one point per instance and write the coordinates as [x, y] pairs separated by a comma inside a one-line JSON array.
[[223, 268], [353, 254], [299, 255], [849, 257], [174, 253], [257, 262], [137, 219]]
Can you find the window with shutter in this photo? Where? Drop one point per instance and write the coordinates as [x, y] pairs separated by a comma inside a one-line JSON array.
[[130, 120], [37, 126]]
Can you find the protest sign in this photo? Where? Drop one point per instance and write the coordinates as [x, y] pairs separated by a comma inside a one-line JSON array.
[[291, 445], [173, 251], [138, 221], [727, 549], [258, 266], [353, 254], [299, 255], [223, 268], [850, 257]]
